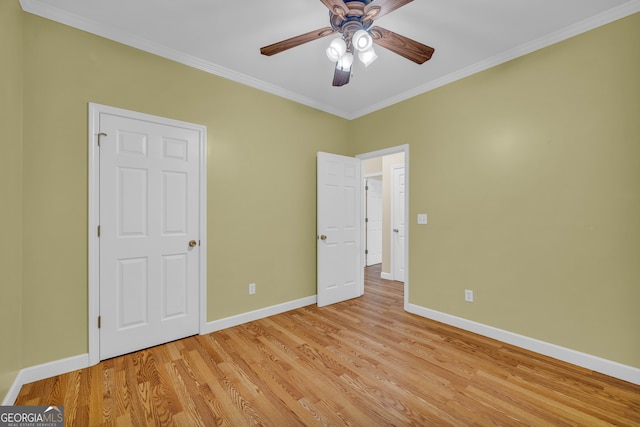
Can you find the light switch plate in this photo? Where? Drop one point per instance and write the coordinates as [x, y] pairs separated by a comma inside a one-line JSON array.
[[422, 218]]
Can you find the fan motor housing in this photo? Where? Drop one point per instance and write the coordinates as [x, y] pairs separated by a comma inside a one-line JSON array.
[[353, 20]]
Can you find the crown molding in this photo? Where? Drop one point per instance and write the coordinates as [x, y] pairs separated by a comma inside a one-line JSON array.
[[58, 15], [72, 20], [591, 23]]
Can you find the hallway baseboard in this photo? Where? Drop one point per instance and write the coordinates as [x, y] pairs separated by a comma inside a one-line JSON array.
[[250, 316]]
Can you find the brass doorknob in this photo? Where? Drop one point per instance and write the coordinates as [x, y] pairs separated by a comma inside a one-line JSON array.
[[192, 243], [323, 237]]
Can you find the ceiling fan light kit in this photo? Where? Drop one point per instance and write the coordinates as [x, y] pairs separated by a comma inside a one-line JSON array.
[[343, 58], [353, 19], [367, 57], [336, 49], [362, 40], [345, 62]]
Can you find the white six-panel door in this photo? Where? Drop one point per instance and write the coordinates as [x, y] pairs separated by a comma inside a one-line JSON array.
[[149, 214], [398, 221], [340, 267], [374, 221]]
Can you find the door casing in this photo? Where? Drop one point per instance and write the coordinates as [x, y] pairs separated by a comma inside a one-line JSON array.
[[95, 110]]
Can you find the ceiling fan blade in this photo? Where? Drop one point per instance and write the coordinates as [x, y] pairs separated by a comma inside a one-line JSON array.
[[337, 7], [272, 49], [378, 8], [341, 77], [403, 46]]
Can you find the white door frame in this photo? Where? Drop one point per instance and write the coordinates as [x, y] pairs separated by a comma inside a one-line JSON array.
[[385, 152], [94, 214]]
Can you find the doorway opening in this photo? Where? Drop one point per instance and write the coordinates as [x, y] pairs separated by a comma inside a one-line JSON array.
[[385, 214]]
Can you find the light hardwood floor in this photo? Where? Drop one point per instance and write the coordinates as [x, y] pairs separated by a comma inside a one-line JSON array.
[[363, 362]]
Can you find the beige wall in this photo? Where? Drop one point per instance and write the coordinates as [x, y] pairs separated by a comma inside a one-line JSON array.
[[260, 149], [372, 166], [530, 174], [10, 192]]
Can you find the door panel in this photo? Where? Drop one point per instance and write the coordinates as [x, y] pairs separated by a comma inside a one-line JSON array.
[[149, 211], [131, 213], [174, 201], [131, 292], [175, 286], [340, 274]]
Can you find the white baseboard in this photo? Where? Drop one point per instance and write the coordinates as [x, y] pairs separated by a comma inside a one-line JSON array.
[[594, 363], [228, 322], [386, 276], [46, 370]]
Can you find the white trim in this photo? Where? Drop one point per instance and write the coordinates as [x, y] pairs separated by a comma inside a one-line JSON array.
[[94, 212], [229, 322], [93, 247], [386, 276], [584, 360], [46, 370], [58, 15], [594, 363], [372, 175], [203, 228]]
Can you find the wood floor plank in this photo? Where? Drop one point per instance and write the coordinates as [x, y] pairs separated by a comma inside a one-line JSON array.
[[362, 362]]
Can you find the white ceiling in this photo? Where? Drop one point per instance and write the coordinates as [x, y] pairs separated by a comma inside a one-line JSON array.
[[224, 38]]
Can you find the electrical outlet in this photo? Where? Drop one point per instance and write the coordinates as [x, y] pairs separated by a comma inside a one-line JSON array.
[[252, 288], [468, 295]]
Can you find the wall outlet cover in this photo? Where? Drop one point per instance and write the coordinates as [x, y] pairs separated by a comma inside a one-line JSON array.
[[468, 295]]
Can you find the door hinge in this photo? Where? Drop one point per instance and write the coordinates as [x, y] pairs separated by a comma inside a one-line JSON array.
[[366, 251], [366, 220], [98, 231], [100, 135], [366, 188], [99, 321]]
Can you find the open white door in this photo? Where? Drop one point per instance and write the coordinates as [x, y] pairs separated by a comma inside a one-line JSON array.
[[373, 221], [340, 269], [398, 222]]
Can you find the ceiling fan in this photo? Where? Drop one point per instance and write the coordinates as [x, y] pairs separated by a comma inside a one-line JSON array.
[[353, 19]]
